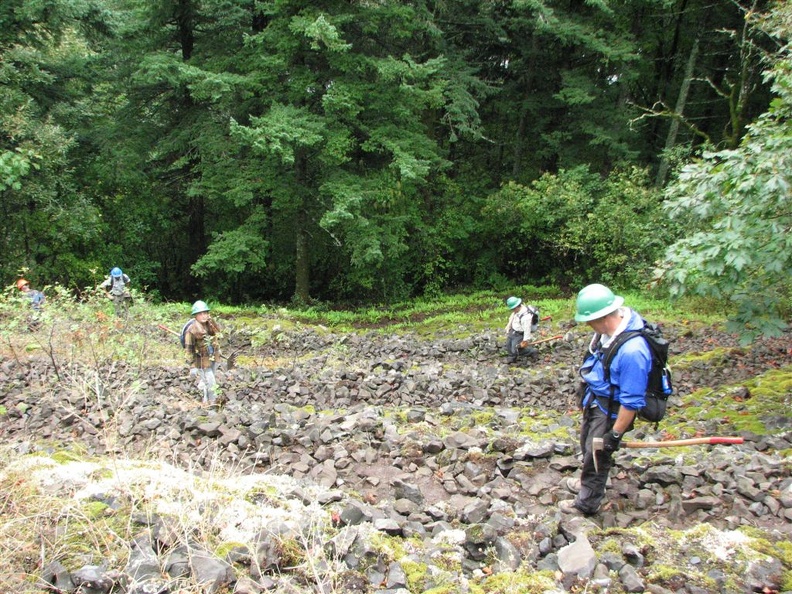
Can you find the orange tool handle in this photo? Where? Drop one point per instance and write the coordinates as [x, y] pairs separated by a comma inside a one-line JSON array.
[[163, 327], [684, 442]]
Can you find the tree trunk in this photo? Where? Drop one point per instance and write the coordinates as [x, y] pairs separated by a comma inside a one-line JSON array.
[[302, 255], [662, 170], [185, 19], [302, 264], [523, 124]]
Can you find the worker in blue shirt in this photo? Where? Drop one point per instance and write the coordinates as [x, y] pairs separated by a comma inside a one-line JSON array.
[[609, 407]]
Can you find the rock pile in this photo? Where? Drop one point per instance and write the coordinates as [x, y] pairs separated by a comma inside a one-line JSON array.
[[437, 442]]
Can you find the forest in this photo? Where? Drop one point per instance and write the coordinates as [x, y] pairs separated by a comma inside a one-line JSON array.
[[253, 151]]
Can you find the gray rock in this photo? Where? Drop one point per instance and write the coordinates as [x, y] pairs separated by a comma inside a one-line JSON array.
[[691, 506], [388, 526], [532, 450], [746, 488], [578, 558], [211, 573], [58, 576], [403, 490], [601, 577], [475, 512], [477, 539], [396, 578], [633, 555], [507, 556], [143, 569], [92, 579], [631, 581], [612, 561], [246, 585], [177, 562], [663, 475], [763, 574]]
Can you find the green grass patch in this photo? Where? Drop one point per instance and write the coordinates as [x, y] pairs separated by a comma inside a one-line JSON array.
[[761, 411], [535, 582]]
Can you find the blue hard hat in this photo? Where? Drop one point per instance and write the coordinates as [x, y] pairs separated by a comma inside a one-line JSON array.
[[513, 302], [116, 272]]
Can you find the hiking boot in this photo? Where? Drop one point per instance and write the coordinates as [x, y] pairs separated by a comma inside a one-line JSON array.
[[569, 506], [573, 484]]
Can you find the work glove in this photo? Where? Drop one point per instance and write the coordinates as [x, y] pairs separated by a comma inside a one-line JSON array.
[[523, 344], [611, 441], [193, 371]]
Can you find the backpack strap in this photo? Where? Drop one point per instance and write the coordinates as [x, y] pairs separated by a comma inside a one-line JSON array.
[[607, 358], [610, 352], [533, 312]]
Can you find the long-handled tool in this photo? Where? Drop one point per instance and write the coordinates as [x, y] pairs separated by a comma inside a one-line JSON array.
[[597, 444], [230, 359], [540, 341], [525, 345], [164, 327]]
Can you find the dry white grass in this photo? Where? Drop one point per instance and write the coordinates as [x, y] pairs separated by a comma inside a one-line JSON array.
[[51, 499]]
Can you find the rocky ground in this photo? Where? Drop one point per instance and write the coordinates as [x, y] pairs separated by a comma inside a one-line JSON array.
[[438, 441]]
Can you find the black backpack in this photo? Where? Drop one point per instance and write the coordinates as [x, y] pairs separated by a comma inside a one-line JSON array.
[[658, 387], [533, 311]]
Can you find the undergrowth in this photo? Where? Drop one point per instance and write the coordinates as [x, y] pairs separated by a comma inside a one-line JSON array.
[[95, 356]]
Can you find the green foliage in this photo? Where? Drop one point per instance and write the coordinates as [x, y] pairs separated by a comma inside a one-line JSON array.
[[344, 150], [734, 205], [14, 166], [580, 228], [236, 252], [50, 224]]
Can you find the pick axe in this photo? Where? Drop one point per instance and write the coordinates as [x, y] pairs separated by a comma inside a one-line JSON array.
[[597, 444]]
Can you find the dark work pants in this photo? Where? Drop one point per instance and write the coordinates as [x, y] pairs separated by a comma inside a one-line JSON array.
[[595, 424], [513, 341]]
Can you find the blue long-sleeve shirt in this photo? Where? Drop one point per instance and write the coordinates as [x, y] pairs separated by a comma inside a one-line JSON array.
[[629, 371]]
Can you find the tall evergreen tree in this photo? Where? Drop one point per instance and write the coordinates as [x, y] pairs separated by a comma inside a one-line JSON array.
[[293, 137], [50, 228]]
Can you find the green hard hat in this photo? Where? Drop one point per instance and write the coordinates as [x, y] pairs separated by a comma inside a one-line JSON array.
[[596, 301], [198, 307], [513, 302]]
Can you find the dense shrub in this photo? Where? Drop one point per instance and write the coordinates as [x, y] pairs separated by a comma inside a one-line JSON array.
[[575, 227]]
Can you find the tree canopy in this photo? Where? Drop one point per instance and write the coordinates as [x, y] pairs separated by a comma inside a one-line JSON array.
[[737, 211], [252, 151]]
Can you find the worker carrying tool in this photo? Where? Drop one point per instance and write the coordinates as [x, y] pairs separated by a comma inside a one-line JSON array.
[[609, 398], [523, 322], [200, 345]]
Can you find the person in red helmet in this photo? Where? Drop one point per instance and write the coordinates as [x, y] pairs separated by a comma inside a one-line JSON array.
[[36, 297], [36, 302]]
